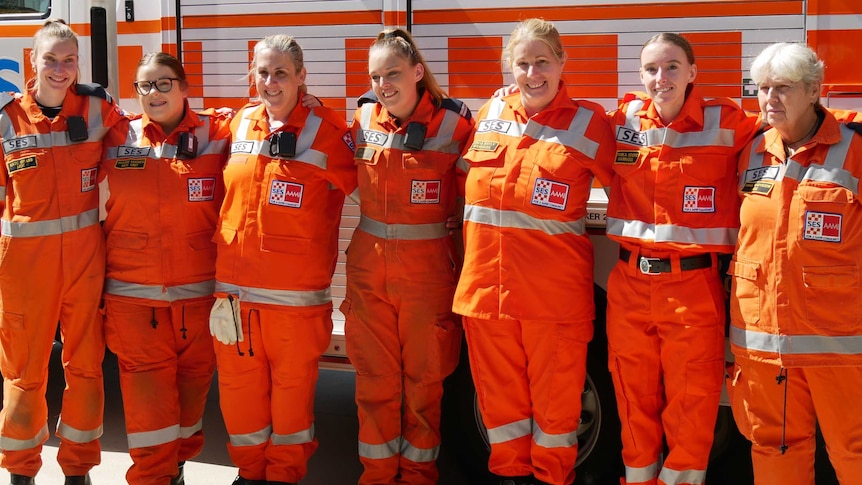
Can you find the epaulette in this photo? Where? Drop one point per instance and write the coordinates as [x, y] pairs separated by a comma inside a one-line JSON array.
[[855, 126], [368, 97], [457, 106], [92, 89], [6, 98]]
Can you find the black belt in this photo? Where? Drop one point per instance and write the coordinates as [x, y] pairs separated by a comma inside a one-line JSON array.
[[657, 265]]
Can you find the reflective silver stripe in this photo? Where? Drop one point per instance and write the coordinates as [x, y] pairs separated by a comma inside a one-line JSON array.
[[795, 344], [251, 439], [95, 127], [277, 297], [511, 431], [418, 455], [158, 292], [407, 232], [672, 233], [574, 136], [77, 435], [7, 131], [380, 452], [145, 439], [353, 196], [3, 192], [12, 444], [442, 143], [642, 474], [547, 440], [634, 121], [711, 135], [832, 170], [50, 228], [189, 431], [462, 164], [674, 477], [166, 150], [298, 438], [517, 220]]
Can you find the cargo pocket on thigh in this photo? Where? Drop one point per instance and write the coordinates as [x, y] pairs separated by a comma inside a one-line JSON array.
[[444, 349], [16, 350], [736, 392], [623, 402]]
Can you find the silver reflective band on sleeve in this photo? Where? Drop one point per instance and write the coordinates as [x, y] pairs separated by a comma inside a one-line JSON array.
[[418, 455], [546, 440], [298, 438], [154, 438], [251, 439], [795, 344], [189, 431], [12, 444], [511, 431], [672, 233], [50, 228], [3, 192], [277, 297], [406, 232], [674, 477], [77, 435], [380, 452], [642, 474], [518, 220], [158, 292]]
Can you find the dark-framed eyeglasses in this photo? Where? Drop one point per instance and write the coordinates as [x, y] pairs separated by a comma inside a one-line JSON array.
[[162, 85]]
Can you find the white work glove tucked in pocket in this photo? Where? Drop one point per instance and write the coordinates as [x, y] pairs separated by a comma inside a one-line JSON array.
[[225, 322]]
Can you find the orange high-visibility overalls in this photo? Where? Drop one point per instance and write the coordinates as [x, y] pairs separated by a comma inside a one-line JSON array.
[[402, 336], [526, 290], [672, 207], [796, 307], [52, 264], [161, 216]]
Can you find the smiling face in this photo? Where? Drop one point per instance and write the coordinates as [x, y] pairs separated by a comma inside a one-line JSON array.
[[55, 62], [277, 81], [166, 109], [666, 73], [537, 73], [393, 81]]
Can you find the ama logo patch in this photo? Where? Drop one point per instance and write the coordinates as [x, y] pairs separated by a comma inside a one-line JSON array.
[[285, 194], [425, 192], [698, 199], [548, 193], [89, 179], [822, 226], [201, 189]]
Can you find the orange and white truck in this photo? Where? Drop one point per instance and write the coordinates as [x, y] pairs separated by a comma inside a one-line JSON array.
[[463, 42]]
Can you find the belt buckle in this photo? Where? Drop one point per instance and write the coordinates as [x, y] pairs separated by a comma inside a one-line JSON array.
[[645, 264]]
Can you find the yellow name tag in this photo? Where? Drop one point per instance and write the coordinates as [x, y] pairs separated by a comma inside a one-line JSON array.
[[759, 187], [627, 157], [133, 163], [484, 146], [21, 164], [364, 153]]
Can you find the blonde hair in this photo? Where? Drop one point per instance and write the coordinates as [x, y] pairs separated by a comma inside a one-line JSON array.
[[53, 29], [284, 44], [534, 29], [402, 44]]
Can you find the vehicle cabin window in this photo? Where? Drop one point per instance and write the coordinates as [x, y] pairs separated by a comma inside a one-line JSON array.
[[13, 7]]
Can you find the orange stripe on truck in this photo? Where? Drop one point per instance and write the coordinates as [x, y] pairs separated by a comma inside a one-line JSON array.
[[609, 12], [282, 19]]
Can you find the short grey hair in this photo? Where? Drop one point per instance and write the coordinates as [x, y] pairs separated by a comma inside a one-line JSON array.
[[789, 61]]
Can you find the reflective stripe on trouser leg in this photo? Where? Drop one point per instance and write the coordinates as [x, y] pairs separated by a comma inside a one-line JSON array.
[[292, 341]]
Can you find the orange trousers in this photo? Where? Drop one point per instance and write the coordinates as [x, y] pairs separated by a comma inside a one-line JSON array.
[[266, 387], [666, 357], [45, 280], [166, 361], [814, 395], [529, 378], [403, 340]]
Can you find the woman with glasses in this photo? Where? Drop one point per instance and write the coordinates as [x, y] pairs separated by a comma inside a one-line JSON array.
[[165, 189], [52, 258]]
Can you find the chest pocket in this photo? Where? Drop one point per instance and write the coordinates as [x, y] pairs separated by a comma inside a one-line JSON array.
[[554, 182], [824, 213], [485, 158]]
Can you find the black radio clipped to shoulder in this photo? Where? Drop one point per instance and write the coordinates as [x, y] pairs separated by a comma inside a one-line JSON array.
[[187, 146], [282, 144], [76, 127], [414, 138]]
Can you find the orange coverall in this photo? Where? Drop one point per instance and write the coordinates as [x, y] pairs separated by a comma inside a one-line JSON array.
[[526, 290], [52, 264], [796, 311], [402, 336], [161, 216], [672, 207], [277, 241]]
